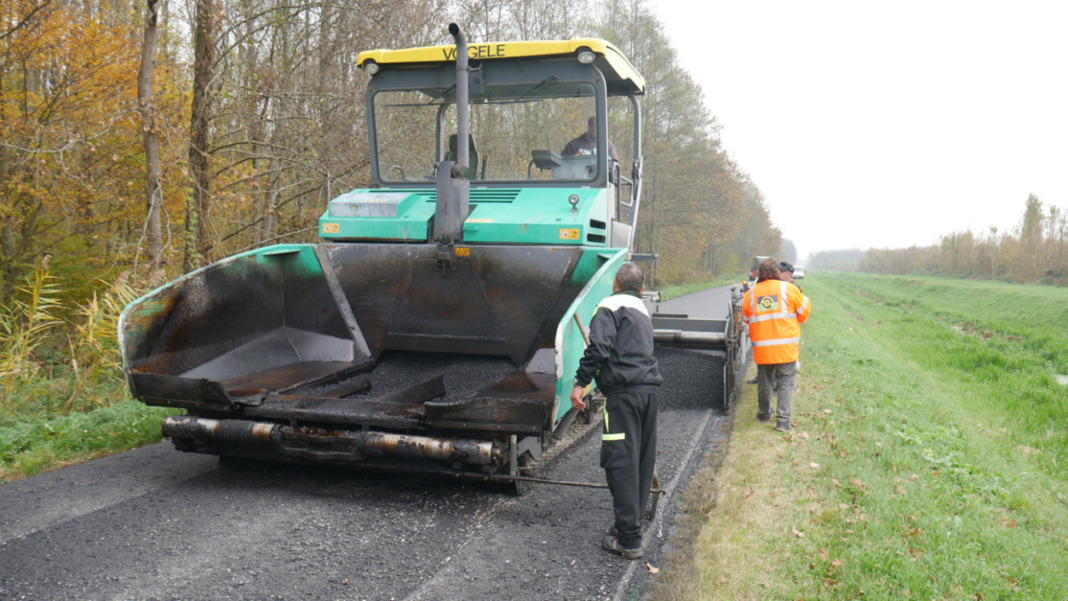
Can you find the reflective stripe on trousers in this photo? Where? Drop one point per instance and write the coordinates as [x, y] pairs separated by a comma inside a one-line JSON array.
[[605, 435]]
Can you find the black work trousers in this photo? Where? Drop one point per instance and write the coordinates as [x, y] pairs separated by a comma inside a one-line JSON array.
[[628, 456]]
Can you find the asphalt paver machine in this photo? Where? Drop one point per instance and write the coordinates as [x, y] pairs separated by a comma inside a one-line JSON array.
[[439, 320]]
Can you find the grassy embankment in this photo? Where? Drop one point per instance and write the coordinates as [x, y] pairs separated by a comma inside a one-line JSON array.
[[927, 460]]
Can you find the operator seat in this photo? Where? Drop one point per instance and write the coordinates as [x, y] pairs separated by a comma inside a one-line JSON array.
[[473, 156]]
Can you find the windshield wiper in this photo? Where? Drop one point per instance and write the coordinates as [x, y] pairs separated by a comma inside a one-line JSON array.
[[552, 77], [444, 95]]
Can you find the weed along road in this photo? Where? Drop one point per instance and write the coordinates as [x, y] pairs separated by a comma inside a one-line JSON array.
[[156, 523]]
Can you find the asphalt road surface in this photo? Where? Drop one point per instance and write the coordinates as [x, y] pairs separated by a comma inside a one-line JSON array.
[[708, 304], [158, 524]]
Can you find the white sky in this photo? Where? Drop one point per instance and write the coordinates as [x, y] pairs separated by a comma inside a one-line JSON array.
[[885, 124]]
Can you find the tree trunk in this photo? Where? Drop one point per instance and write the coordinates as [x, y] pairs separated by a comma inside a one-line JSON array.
[[198, 212], [154, 187]]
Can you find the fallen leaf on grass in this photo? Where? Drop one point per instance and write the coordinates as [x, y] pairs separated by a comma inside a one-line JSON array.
[[652, 570], [798, 533]]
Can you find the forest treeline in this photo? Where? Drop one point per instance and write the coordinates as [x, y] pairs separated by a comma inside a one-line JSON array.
[[150, 138], [1035, 251]]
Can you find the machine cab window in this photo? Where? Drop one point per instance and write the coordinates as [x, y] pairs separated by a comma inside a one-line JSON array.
[[514, 137]]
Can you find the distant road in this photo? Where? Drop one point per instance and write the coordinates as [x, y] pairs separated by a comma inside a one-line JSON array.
[[707, 304]]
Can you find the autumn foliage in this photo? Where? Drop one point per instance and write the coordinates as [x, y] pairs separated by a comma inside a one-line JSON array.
[[71, 166]]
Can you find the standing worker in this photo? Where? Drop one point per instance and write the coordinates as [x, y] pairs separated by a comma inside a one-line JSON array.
[[775, 310], [620, 357]]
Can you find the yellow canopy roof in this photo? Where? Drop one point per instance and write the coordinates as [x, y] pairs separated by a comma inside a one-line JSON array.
[[615, 67]]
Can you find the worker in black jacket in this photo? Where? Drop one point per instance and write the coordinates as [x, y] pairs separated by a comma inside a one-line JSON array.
[[620, 357]]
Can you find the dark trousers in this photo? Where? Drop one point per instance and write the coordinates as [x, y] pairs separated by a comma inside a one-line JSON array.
[[778, 380], [628, 456]]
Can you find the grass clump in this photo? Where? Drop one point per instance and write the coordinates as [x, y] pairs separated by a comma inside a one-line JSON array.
[[924, 462]]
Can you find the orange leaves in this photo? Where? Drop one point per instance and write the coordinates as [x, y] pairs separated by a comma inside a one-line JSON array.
[[72, 140]]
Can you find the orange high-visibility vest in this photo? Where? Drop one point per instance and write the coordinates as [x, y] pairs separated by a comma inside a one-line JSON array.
[[775, 310]]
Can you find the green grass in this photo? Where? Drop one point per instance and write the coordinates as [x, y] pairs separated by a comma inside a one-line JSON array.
[[36, 444], [927, 461], [57, 418]]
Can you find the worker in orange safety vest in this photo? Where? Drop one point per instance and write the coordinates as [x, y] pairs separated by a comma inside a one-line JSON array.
[[775, 310]]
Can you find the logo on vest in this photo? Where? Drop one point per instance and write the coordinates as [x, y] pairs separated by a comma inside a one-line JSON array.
[[768, 303]]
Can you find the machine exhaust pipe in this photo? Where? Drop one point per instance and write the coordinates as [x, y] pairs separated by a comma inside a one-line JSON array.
[[463, 108], [453, 191]]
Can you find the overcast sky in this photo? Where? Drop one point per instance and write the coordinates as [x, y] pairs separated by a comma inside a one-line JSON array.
[[885, 124]]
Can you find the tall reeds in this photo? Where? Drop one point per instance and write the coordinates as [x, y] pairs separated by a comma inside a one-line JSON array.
[[25, 325], [58, 356]]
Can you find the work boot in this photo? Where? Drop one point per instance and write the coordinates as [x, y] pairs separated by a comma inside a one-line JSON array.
[[783, 425], [762, 417], [611, 544]]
